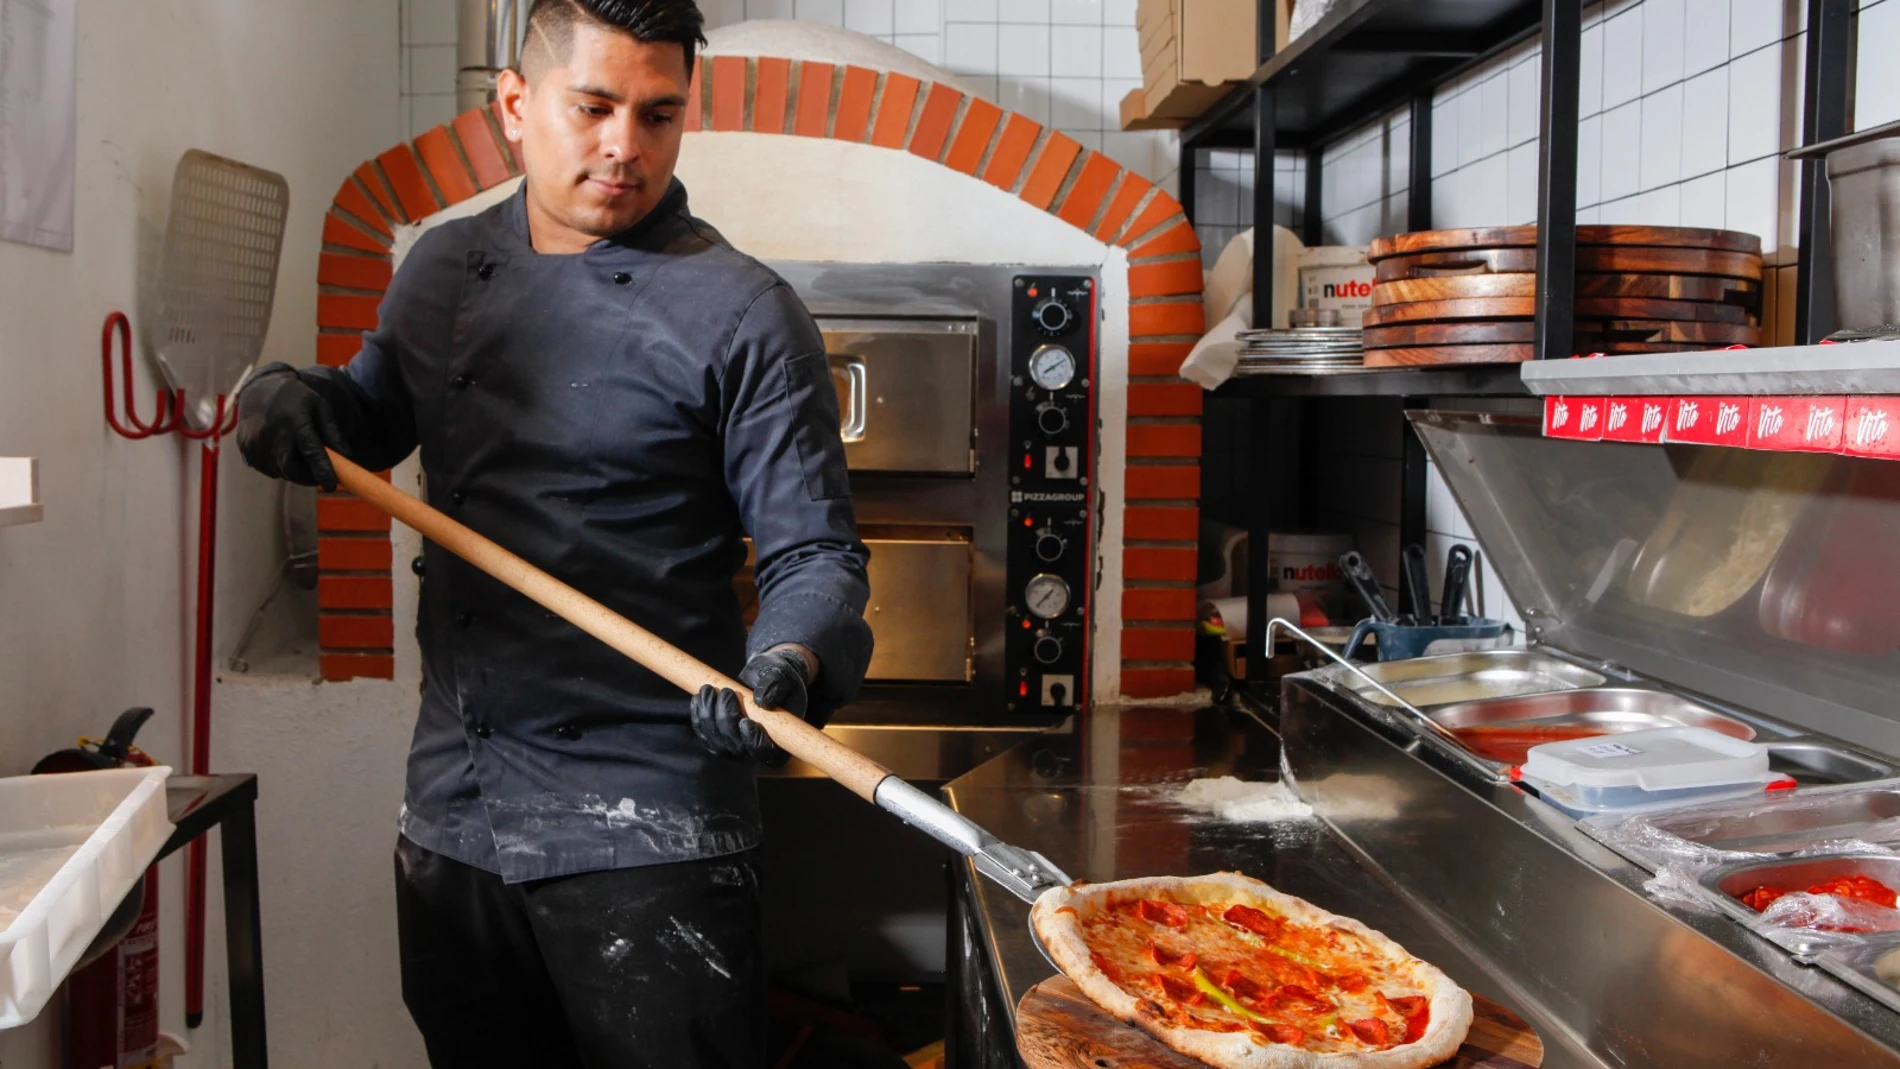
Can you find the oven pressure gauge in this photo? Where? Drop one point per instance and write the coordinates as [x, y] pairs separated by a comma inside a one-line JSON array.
[[1052, 367], [1047, 596]]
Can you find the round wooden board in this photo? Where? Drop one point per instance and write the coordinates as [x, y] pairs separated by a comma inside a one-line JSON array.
[[1450, 354], [1591, 335], [1511, 237], [1626, 259], [1518, 284], [1057, 1027], [1523, 307]]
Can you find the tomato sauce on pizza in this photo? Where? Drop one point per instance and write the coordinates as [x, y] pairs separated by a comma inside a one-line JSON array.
[[1223, 967]]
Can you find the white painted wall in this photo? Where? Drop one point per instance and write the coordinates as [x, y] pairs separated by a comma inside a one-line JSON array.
[[94, 601]]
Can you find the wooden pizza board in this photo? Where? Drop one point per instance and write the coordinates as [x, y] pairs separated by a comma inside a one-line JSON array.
[[1057, 1027], [1502, 237], [1623, 259], [1426, 355], [1597, 333], [1524, 284], [1487, 308]]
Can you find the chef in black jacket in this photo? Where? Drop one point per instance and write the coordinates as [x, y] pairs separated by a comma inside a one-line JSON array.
[[600, 383]]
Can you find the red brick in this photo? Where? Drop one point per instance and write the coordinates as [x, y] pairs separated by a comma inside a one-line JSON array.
[[353, 272], [814, 99], [1167, 317], [1166, 279], [1156, 603], [893, 112], [445, 165], [933, 125], [357, 632], [1157, 644], [342, 667], [413, 196], [1127, 195], [1143, 562], [1159, 210], [1164, 440], [1165, 399], [979, 125], [485, 156], [855, 98], [1097, 176], [378, 190], [344, 513], [340, 231], [1141, 524], [1012, 151], [353, 592], [728, 89], [354, 554], [351, 198], [347, 310], [336, 350], [1058, 155], [1157, 683], [1157, 357], [773, 85], [509, 158], [1179, 238], [1162, 482]]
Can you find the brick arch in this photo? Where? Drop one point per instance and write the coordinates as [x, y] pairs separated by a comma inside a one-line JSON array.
[[937, 122]]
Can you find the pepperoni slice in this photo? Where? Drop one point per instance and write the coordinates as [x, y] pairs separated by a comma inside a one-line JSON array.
[[1251, 919], [1281, 1033], [1180, 991], [1351, 983], [1163, 956], [1406, 1005], [1372, 1030], [1108, 967], [1155, 911], [1239, 986], [1292, 993]]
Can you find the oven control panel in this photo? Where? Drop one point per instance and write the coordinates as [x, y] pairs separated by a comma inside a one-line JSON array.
[[1051, 338]]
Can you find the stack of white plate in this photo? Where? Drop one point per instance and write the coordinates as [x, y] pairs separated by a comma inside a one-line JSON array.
[[1300, 349]]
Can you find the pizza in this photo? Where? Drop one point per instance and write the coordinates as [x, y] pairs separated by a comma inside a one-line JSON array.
[[1225, 969]]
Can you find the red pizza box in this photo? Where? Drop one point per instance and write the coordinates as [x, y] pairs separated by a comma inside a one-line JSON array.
[[1713, 420], [1796, 424], [1576, 418], [1634, 419], [1872, 428]]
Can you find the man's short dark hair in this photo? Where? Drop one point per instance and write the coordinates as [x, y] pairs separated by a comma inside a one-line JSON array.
[[653, 21]]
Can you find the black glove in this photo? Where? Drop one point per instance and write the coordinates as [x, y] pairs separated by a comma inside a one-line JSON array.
[[284, 422], [777, 679]]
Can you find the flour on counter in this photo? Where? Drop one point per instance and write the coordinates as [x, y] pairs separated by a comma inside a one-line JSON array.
[[1242, 802]]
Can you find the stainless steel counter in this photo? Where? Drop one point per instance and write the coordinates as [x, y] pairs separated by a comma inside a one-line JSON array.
[[1096, 802]]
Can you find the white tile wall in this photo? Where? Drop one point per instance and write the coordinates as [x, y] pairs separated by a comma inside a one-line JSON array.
[[428, 63]]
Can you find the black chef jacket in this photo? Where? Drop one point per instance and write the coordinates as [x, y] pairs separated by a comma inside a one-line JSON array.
[[620, 417]]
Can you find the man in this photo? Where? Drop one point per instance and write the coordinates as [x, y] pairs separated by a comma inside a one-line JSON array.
[[597, 381]]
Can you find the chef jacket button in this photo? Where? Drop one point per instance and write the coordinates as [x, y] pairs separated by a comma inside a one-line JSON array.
[[463, 381], [621, 278], [485, 272], [568, 732], [458, 497], [483, 731]]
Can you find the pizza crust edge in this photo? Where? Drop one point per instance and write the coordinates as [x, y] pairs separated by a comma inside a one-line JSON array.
[[1061, 934]]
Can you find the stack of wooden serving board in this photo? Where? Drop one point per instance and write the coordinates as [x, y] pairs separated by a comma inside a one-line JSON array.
[[1470, 296]]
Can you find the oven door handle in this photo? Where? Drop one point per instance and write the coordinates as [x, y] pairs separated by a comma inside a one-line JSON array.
[[857, 387]]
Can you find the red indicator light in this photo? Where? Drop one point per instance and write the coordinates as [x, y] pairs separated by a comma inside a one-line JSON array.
[[1022, 689], [1026, 461], [1034, 292], [1028, 521], [1025, 625]]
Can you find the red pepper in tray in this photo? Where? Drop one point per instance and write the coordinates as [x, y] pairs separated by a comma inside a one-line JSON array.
[[1864, 888]]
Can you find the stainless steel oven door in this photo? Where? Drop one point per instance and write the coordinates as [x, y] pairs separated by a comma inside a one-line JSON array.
[[920, 609], [906, 393]]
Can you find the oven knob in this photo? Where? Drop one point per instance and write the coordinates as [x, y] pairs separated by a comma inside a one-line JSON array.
[[1049, 546], [1051, 316], [1048, 649], [1051, 419]]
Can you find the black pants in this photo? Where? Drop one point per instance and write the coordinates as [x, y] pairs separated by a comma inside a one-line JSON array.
[[655, 966]]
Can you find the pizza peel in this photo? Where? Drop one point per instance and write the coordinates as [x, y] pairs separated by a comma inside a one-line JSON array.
[[1024, 873]]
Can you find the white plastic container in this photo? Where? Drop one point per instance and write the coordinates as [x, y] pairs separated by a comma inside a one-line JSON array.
[[71, 847], [1638, 770], [1306, 563]]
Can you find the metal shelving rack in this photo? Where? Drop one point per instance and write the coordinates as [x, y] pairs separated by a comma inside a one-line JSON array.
[[1366, 58]]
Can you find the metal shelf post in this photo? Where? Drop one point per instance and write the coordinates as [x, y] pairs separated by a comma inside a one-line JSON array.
[[1823, 118], [1557, 180], [1418, 195]]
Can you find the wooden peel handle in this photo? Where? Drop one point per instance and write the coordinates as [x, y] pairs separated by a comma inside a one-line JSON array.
[[857, 772]]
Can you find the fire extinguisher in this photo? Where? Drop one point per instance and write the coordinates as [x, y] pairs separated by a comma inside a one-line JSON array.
[[112, 997]]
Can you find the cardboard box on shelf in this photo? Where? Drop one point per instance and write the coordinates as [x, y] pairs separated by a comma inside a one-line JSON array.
[[1135, 114], [1193, 51]]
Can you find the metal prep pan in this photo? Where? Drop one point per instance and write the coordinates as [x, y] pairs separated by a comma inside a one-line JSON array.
[[1499, 730], [1813, 763], [1794, 874], [1785, 825], [1872, 966], [1464, 677]]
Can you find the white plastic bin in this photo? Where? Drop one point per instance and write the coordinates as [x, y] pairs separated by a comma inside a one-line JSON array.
[[71, 847]]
